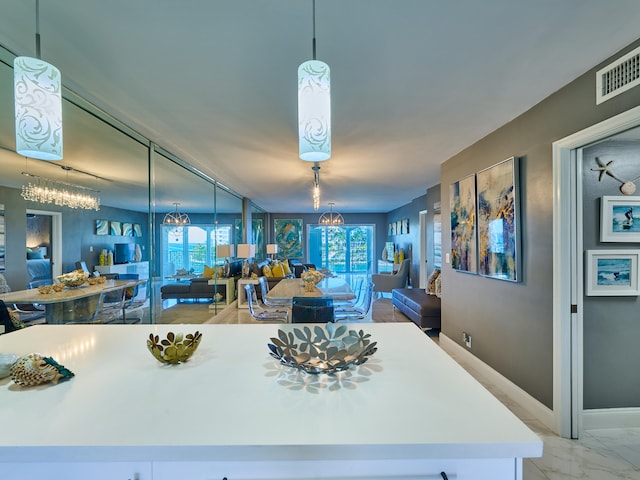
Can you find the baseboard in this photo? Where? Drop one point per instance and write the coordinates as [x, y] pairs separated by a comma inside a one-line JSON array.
[[610, 418], [537, 409]]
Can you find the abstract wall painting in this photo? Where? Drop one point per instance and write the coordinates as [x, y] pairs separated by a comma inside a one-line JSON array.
[[288, 233], [462, 198], [115, 228], [620, 219], [498, 222], [127, 229], [102, 227], [612, 273], [137, 230]]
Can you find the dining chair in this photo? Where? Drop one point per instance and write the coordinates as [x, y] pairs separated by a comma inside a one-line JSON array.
[[261, 313], [359, 310], [312, 310], [264, 290], [30, 313], [357, 290], [134, 303]]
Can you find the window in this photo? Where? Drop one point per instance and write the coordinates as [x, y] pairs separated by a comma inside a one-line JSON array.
[[344, 249], [192, 247]]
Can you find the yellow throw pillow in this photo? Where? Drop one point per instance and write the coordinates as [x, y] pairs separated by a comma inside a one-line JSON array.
[[266, 271], [209, 272], [285, 267], [277, 270]]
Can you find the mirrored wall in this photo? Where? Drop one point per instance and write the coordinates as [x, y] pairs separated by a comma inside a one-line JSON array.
[[138, 184]]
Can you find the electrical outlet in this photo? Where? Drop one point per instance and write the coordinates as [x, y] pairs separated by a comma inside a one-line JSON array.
[[466, 338]]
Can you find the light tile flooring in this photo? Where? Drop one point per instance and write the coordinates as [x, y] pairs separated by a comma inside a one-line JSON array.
[[599, 455]]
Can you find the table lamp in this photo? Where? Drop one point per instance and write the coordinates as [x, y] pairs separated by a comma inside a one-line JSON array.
[[272, 249], [246, 251], [226, 252]]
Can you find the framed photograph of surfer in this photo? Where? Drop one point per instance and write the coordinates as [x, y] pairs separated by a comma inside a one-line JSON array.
[[612, 273], [620, 219]]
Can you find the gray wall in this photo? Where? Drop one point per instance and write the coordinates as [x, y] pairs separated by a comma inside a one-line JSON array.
[[511, 323], [410, 242], [610, 324]]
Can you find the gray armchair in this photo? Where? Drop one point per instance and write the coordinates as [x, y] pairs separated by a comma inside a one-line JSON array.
[[385, 282]]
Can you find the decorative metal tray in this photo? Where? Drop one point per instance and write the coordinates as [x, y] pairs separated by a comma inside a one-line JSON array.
[[326, 349]]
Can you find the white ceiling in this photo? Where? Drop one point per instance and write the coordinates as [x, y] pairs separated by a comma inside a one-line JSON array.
[[413, 81]]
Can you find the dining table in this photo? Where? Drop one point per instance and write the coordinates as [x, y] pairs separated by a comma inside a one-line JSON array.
[[69, 304], [334, 287]]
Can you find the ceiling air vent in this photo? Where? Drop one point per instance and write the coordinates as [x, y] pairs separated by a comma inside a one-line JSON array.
[[618, 76]]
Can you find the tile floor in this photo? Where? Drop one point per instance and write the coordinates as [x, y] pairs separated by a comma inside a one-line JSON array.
[[599, 455]]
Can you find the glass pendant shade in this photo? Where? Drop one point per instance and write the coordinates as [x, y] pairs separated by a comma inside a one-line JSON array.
[[38, 109], [314, 111]]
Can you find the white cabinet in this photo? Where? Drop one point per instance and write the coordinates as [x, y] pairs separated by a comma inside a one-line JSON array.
[[140, 268]]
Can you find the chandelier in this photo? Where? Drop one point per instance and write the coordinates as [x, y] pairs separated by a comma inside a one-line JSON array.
[[316, 187], [331, 218], [314, 106], [63, 194], [176, 218], [38, 105]]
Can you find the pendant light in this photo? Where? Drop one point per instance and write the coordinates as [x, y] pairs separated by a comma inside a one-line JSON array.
[[314, 107], [176, 219], [38, 105], [331, 218]]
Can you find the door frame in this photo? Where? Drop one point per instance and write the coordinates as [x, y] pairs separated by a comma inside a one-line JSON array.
[[422, 280], [567, 270], [55, 253]]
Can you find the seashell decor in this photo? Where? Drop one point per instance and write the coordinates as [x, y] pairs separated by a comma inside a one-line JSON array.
[[34, 369]]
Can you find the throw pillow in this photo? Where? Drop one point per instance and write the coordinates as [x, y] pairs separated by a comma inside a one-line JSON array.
[[431, 283], [209, 272], [285, 267], [277, 270], [266, 271]]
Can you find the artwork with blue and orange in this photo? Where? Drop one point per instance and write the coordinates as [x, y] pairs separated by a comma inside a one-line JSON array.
[[462, 201], [497, 221]]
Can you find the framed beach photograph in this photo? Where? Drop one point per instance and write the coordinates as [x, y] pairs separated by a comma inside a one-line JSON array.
[[612, 273], [498, 219], [620, 219], [462, 198]]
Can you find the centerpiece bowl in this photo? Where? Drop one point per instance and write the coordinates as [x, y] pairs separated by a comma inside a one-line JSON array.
[[73, 279], [176, 348], [328, 349]]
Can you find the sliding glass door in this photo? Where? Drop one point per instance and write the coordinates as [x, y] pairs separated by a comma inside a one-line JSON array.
[[192, 247], [344, 249]]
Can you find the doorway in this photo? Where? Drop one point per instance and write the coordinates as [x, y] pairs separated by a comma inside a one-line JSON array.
[[53, 244], [568, 272]]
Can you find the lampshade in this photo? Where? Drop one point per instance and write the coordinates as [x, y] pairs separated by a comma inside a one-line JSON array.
[[224, 251], [314, 111], [246, 250], [38, 109], [272, 248]]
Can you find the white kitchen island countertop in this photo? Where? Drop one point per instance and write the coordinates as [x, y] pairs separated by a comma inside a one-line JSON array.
[[410, 409]]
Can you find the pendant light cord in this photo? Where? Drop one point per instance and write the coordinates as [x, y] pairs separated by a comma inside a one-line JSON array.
[[314, 29], [38, 29]]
